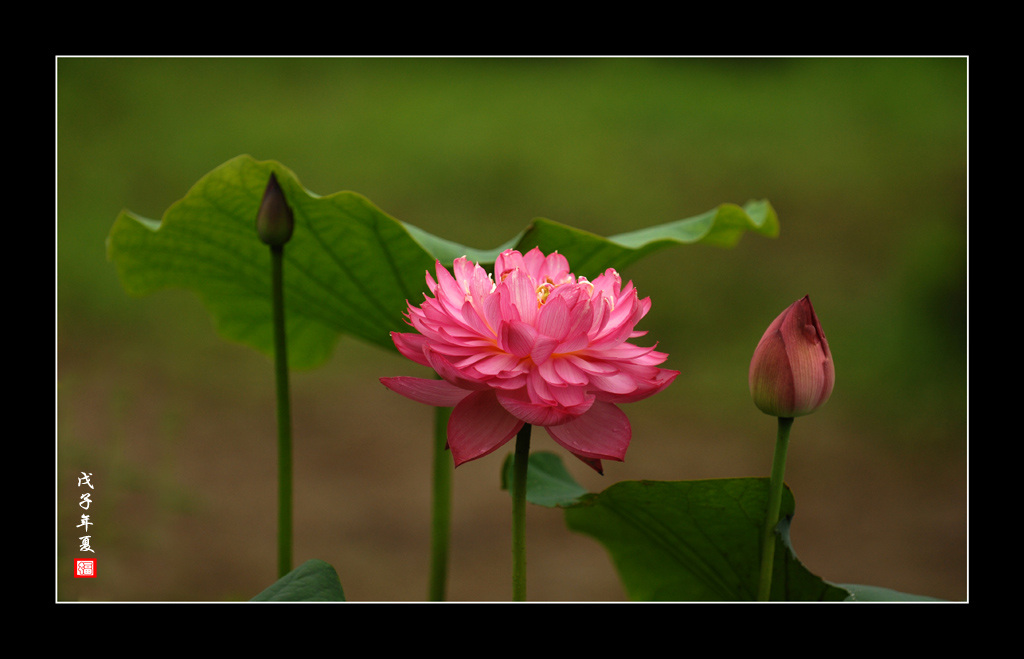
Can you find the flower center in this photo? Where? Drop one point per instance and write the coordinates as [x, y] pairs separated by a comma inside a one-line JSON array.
[[548, 285], [543, 291]]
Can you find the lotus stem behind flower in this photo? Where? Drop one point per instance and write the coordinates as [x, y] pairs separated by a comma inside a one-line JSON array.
[[533, 345]]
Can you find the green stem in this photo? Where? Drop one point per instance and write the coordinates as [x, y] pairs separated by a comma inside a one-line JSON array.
[[771, 519], [442, 513], [284, 417], [522, 460]]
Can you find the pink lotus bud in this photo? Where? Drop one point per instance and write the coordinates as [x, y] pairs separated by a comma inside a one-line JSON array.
[[791, 373]]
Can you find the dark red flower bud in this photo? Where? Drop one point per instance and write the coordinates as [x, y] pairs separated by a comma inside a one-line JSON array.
[[274, 222]]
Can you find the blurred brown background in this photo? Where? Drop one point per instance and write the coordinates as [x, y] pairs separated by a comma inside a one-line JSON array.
[[864, 160]]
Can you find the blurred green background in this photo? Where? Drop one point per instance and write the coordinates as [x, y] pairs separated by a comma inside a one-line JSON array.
[[865, 161]]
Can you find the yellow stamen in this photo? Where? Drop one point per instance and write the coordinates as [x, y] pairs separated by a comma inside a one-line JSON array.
[[542, 293]]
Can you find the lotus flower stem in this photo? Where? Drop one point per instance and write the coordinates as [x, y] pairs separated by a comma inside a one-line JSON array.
[[774, 504], [284, 418], [520, 465], [275, 223], [442, 514]]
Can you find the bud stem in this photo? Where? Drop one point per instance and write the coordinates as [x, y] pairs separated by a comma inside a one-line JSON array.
[[774, 504], [284, 416], [522, 461], [440, 528]]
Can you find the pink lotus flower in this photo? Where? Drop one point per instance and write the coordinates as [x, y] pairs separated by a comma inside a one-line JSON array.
[[537, 346], [791, 373]]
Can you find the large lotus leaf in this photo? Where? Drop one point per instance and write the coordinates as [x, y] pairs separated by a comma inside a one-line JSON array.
[[589, 255], [694, 540], [313, 581], [688, 540], [350, 267], [860, 593]]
